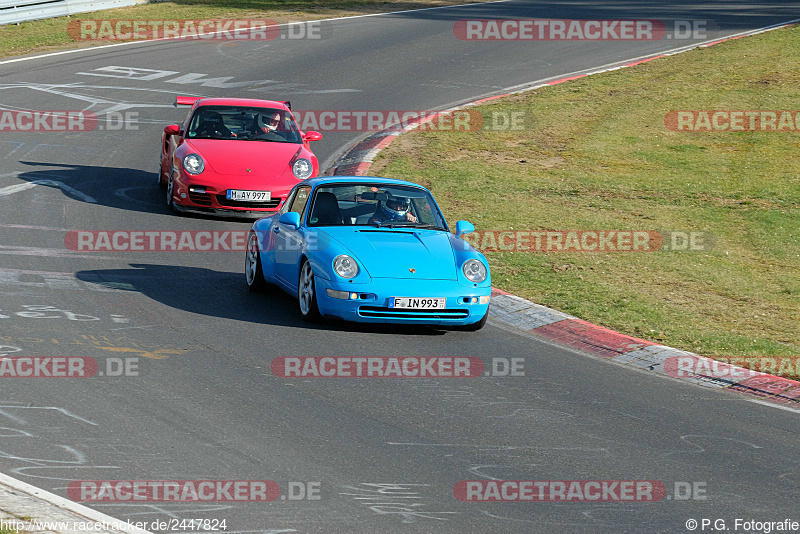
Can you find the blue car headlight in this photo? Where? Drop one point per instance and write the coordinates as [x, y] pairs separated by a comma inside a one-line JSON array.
[[474, 270], [345, 266]]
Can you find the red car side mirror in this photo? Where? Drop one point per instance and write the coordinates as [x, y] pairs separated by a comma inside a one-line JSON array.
[[312, 136], [172, 129]]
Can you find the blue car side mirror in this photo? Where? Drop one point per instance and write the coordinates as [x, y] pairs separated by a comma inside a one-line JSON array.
[[290, 218], [464, 227]]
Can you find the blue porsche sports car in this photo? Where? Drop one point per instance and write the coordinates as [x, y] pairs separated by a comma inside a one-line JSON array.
[[370, 250]]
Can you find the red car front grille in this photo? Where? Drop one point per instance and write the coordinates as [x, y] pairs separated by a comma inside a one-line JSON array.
[[223, 201], [200, 198]]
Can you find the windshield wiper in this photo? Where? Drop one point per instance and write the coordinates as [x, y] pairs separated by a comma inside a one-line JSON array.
[[410, 224]]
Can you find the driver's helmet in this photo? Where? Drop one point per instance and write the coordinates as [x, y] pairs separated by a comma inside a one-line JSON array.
[[212, 121], [396, 207], [269, 121]]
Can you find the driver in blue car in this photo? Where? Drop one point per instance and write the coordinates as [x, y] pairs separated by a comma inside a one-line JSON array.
[[394, 209]]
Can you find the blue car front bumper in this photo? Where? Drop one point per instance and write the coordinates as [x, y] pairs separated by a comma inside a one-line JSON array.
[[464, 304]]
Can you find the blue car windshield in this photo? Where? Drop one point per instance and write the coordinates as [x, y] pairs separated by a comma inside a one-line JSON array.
[[244, 123], [378, 205]]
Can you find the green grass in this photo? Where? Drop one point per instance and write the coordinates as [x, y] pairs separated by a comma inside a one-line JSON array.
[[51, 34], [600, 157]]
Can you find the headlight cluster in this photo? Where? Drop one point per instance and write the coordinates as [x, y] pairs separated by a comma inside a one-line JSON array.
[[302, 169], [193, 164], [345, 266], [474, 270]]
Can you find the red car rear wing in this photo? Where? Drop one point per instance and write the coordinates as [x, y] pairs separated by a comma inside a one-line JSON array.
[[186, 100], [190, 100]]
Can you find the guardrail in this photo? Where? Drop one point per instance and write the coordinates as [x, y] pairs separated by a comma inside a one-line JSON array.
[[13, 11]]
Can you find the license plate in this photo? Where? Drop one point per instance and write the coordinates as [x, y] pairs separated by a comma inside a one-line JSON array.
[[249, 196], [419, 303]]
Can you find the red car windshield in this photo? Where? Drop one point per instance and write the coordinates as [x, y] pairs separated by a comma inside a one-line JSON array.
[[240, 123]]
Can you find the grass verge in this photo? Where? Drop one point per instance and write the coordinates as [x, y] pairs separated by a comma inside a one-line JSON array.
[[51, 34], [600, 157]]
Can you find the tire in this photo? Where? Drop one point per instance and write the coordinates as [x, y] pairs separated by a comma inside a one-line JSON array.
[[474, 327], [253, 272], [307, 295], [160, 181], [170, 186]]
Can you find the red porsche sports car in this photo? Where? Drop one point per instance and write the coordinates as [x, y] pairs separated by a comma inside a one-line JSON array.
[[234, 156]]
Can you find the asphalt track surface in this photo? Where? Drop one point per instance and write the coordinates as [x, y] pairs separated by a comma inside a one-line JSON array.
[[387, 452]]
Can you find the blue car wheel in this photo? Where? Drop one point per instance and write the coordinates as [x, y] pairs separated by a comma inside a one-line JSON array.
[[306, 294], [252, 266]]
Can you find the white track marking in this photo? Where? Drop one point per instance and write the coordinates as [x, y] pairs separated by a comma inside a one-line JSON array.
[[11, 189], [279, 25], [66, 504], [33, 227]]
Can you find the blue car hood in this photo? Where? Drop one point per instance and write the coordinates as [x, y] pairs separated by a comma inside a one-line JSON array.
[[392, 253]]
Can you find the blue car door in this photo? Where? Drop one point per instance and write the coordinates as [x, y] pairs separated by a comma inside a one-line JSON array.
[[288, 241]]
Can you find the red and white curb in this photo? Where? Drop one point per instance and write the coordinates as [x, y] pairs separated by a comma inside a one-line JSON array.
[[52, 513], [563, 329]]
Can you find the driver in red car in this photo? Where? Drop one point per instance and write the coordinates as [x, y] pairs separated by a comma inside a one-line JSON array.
[[394, 209], [268, 125]]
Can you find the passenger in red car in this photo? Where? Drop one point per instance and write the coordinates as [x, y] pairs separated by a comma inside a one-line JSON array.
[[212, 126]]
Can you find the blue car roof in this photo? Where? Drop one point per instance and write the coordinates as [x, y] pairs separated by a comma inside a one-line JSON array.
[[314, 182]]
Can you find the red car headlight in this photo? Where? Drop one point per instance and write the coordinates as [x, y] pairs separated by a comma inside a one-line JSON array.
[[302, 168], [193, 163]]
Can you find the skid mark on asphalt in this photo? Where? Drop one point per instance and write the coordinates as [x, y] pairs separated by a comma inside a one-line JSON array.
[[5, 350], [33, 227], [123, 194], [159, 354], [381, 498], [4, 411], [16, 144], [173, 511], [55, 280], [586, 513], [47, 252], [117, 345], [70, 458], [699, 449]]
